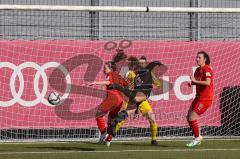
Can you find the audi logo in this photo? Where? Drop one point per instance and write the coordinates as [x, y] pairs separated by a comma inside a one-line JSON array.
[[17, 72]]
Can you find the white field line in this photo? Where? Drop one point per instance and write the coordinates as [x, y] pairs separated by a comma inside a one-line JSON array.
[[117, 141], [116, 151]]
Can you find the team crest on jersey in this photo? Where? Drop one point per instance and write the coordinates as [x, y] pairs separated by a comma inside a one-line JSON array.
[[208, 74], [200, 106], [139, 81]]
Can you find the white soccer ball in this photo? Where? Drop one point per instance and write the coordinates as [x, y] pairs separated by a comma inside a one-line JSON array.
[[54, 98]]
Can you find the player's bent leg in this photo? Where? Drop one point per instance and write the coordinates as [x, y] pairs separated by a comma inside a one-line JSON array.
[[111, 118], [140, 97], [146, 110], [100, 121], [153, 127], [119, 125], [109, 104], [101, 127], [122, 115], [101, 124], [108, 140], [197, 108], [193, 123]]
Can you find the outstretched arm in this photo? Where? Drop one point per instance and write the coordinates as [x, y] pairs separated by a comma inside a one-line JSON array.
[[100, 83]]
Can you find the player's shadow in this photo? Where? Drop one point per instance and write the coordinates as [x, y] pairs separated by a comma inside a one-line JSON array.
[[65, 148], [149, 145], [138, 144], [90, 143]]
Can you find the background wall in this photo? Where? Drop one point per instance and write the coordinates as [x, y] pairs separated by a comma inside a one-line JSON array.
[[144, 26]]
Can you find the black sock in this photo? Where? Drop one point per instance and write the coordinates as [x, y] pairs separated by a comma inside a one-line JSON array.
[[122, 115]]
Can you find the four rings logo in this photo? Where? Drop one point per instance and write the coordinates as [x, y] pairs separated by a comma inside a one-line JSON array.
[[123, 44], [94, 66], [60, 80], [17, 72]]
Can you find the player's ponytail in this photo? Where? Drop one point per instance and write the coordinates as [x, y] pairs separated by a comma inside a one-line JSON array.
[[206, 57], [116, 58], [119, 56]]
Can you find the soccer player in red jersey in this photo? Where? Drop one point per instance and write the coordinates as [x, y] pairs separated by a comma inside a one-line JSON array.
[[203, 79], [114, 100]]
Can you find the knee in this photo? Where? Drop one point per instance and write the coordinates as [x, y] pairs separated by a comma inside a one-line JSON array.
[[192, 116], [189, 116], [137, 99], [151, 117]]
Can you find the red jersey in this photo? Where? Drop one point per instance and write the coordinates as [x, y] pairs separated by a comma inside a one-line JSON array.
[[201, 74], [117, 79]]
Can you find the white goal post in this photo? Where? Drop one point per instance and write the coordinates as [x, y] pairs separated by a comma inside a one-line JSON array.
[[119, 9]]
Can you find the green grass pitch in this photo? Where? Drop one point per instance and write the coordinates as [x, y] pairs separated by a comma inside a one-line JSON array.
[[209, 149]]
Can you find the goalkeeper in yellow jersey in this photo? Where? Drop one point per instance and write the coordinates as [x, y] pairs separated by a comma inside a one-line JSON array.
[[144, 107]]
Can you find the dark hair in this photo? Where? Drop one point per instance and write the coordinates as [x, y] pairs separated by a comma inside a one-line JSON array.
[[133, 63], [119, 56], [111, 65], [143, 58], [206, 57]]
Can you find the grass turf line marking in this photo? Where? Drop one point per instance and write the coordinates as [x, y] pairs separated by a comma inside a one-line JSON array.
[[114, 141], [115, 151]]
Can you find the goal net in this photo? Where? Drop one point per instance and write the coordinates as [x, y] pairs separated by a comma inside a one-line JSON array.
[[60, 48]]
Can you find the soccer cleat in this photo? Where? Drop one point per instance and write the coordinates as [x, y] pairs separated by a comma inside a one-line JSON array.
[[103, 137], [154, 142], [108, 143], [195, 142]]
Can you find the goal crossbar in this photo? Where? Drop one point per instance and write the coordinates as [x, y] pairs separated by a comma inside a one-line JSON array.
[[119, 9]]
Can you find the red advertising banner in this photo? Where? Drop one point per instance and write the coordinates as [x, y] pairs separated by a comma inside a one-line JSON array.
[[27, 78]]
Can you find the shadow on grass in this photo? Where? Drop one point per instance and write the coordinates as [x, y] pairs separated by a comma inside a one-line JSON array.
[[141, 144], [149, 145], [65, 148], [90, 143]]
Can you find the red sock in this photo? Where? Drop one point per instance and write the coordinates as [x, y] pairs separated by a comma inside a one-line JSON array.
[[109, 138], [195, 129], [101, 124]]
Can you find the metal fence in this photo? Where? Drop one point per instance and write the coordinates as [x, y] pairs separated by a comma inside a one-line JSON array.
[[119, 25]]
